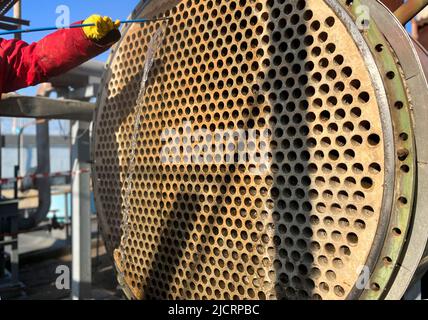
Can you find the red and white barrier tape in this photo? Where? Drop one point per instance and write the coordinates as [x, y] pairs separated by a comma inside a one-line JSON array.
[[43, 175]]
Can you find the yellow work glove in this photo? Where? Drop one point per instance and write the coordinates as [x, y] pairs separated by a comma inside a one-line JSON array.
[[103, 25]]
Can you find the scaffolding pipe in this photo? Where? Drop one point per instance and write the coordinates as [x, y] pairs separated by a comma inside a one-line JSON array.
[[407, 11], [17, 14]]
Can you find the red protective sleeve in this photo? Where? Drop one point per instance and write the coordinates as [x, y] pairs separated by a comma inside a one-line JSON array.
[[26, 64]]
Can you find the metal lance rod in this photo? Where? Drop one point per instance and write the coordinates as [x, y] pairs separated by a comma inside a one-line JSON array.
[[409, 10], [76, 26]]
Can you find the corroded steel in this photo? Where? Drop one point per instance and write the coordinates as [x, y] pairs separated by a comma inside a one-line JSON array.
[[304, 222], [409, 10]]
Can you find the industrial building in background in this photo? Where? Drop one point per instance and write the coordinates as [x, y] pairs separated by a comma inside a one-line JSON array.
[[244, 150]]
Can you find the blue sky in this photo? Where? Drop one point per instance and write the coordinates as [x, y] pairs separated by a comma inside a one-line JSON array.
[[42, 13]]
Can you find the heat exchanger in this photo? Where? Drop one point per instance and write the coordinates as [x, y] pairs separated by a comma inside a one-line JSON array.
[[281, 152]]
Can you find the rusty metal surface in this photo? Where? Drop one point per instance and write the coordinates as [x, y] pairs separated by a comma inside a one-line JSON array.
[[298, 228], [392, 4], [409, 10]]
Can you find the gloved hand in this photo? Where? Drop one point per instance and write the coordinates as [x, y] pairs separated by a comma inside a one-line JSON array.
[[103, 25]]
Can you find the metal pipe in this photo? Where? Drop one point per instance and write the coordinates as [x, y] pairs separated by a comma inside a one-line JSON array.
[[409, 10], [17, 14], [20, 144], [43, 165], [18, 164], [80, 213], [43, 185], [392, 4], [87, 73]]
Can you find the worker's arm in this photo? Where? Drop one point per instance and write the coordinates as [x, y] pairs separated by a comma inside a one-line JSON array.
[[27, 65]]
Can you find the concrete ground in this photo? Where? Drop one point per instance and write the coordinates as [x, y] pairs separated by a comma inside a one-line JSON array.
[[42, 251], [39, 278]]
